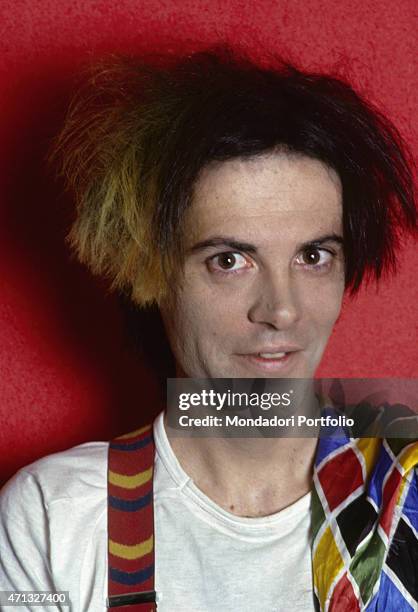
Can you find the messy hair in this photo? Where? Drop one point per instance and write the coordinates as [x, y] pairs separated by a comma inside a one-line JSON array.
[[138, 134]]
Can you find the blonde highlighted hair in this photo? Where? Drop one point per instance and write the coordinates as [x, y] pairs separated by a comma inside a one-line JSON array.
[[108, 153], [137, 135]]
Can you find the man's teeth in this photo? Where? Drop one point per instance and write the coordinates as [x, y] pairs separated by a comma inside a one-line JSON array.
[[272, 355]]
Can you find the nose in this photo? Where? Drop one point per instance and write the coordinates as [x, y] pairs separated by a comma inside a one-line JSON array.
[[275, 303]]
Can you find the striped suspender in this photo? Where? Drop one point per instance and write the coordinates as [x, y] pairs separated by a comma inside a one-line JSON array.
[[131, 522]]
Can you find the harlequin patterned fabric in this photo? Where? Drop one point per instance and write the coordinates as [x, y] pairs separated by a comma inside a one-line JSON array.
[[364, 523]]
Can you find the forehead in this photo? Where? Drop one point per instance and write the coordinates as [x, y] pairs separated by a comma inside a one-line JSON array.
[[268, 193]]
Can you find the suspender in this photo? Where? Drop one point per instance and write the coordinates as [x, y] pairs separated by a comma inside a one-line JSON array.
[[131, 522]]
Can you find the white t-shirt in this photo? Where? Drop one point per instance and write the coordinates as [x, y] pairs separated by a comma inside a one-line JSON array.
[[53, 519]]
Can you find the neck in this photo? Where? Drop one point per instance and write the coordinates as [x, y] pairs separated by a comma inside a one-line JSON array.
[[248, 476]]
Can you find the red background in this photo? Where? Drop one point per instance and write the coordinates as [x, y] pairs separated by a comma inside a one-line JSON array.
[[66, 373]]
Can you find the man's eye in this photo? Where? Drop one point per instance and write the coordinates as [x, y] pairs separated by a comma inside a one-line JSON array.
[[314, 257], [227, 262]]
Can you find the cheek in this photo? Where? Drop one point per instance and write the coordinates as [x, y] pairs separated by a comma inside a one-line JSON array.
[[217, 314], [322, 303], [211, 313]]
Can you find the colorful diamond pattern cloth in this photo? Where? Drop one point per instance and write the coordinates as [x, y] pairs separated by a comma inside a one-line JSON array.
[[365, 525]]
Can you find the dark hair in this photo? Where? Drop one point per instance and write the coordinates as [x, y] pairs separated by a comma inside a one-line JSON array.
[[133, 148]]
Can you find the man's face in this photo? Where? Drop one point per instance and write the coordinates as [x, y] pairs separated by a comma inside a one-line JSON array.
[[263, 273]]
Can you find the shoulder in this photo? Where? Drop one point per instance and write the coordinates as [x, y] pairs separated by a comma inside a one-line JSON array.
[[53, 520], [78, 472]]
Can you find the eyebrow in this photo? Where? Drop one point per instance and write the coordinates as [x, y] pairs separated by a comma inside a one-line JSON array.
[[238, 245]]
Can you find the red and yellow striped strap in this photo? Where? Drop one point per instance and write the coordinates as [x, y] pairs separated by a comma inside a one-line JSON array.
[[131, 560]]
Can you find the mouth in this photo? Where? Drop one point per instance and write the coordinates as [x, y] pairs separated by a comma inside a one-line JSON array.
[[278, 355], [271, 361]]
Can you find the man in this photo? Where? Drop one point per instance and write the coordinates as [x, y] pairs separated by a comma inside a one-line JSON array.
[[243, 202]]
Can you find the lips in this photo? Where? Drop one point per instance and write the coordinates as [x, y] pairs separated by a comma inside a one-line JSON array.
[[270, 359], [274, 352]]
